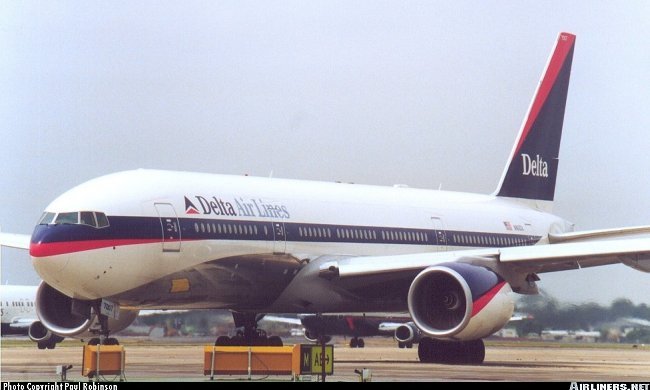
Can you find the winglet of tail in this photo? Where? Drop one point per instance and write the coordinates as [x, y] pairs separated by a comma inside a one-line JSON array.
[[532, 168]]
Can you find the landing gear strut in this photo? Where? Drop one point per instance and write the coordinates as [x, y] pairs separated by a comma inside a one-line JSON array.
[[104, 332], [249, 334], [451, 352]]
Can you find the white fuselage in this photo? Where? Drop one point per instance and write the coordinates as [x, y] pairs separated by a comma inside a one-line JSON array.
[[163, 223], [17, 308]]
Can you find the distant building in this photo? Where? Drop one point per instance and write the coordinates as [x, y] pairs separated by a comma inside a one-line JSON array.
[[507, 333], [580, 336]]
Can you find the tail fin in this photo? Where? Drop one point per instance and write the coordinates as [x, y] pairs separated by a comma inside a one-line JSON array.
[[532, 168]]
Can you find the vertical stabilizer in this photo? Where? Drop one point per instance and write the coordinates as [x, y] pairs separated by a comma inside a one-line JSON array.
[[532, 168]]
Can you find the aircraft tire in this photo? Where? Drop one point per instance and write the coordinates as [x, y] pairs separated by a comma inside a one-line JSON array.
[[111, 341], [222, 341], [275, 341], [425, 349]]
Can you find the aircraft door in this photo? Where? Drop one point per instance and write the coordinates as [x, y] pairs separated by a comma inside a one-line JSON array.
[[440, 233], [279, 238], [171, 232]]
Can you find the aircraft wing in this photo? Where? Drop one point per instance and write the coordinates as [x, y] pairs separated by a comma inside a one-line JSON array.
[[588, 235], [284, 320], [520, 317], [630, 246], [22, 323], [389, 327], [20, 241]]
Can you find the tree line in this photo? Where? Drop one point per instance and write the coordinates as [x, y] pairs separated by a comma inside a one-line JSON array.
[[549, 313]]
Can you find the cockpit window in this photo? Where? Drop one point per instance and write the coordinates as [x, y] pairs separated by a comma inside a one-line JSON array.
[[46, 218], [87, 218], [90, 218], [69, 218], [102, 221]]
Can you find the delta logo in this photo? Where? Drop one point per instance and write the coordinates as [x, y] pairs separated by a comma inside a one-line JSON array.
[[534, 166], [209, 206], [238, 207], [189, 207]]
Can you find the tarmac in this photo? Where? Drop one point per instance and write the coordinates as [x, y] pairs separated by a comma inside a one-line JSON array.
[[505, 361]]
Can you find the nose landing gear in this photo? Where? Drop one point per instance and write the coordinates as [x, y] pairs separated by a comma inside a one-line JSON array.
[[104, 332]]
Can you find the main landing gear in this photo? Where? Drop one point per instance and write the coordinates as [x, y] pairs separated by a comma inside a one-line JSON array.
[[249, 335], [451, 352], [357, 342]]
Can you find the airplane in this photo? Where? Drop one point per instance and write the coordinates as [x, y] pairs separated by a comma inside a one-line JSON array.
[[153, 239], [399, 326], [396, 325], [18, 313]]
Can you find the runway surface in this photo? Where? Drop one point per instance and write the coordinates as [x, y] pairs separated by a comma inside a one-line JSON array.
[[512, 361]]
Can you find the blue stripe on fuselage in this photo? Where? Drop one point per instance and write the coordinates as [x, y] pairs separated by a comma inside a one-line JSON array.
[[226, 229]]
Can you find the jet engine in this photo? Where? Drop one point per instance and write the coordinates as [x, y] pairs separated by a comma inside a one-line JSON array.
[[313, 337], [408, 333], [68, 317], [42, 336], [459, 301]]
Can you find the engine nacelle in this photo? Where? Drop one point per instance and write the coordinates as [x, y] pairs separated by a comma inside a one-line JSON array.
[[313, 337], [408, 333], [459, 301], [67, 317], [38, 333]]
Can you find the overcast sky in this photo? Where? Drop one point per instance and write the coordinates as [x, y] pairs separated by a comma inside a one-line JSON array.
[[425, 93]]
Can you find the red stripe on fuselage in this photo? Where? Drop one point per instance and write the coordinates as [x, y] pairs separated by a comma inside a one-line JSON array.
[[60, 248], [563, 47], [483, 301]]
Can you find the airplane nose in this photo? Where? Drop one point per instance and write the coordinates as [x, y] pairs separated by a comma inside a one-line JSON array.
[[42, 250], [49, 267]]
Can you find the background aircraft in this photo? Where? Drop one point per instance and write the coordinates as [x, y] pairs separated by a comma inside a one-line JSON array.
[[399, 327], [355, 326], [17, 304]]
